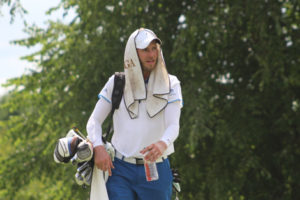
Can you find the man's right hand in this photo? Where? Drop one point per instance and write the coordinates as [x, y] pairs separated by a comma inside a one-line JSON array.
[[102, 159]]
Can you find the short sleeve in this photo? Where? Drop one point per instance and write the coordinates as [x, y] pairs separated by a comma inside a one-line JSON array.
[[107, 90], [175, 92]]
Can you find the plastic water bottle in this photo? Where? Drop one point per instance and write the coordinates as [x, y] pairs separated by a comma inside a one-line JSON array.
[[150, 170]]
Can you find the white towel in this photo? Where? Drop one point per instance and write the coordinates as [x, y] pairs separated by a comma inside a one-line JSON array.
[[98, 187], [135, 89]]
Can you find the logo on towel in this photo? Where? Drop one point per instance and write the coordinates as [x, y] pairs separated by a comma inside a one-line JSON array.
[[128, 64]]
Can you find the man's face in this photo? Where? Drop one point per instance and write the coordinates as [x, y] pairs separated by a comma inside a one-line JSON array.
[[148, 56]]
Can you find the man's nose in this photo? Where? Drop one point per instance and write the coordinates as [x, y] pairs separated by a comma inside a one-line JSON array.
[[152, 53]]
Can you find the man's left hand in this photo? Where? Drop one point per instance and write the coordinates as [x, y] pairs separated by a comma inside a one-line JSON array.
[[154, 151]]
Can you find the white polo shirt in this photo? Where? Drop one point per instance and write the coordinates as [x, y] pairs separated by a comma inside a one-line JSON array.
[[132, 135]]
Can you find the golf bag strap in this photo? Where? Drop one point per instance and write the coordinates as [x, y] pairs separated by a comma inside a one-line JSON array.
[[116, 96]]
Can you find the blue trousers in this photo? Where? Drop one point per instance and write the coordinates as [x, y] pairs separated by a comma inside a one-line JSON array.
[[128, 182]]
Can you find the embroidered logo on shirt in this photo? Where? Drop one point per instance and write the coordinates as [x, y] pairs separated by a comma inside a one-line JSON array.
[[172, 92]]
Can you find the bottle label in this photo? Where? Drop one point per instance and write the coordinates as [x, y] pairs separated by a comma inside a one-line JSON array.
[[150, 171]]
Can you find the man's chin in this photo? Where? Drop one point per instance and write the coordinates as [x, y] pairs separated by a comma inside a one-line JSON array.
[[149, 68]]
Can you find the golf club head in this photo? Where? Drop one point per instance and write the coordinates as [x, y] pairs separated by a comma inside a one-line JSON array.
[[78, 178], [84, 151], [72, 133]]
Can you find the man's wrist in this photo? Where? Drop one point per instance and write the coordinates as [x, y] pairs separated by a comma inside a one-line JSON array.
[[166, 142], [97, 143], [163, 145], [99, 148]]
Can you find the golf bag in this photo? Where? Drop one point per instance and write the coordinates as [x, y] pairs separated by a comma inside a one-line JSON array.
[[76, 148]]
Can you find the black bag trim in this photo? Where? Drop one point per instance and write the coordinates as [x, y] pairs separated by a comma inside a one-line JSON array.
[[116, 97]]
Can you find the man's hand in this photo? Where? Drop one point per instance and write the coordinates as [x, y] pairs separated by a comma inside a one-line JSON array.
[[102, 159], [154, 151]]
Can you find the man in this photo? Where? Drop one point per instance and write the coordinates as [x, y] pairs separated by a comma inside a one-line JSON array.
[[145, 125]]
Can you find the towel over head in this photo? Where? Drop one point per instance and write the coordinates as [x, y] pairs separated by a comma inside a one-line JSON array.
[[156, 91]]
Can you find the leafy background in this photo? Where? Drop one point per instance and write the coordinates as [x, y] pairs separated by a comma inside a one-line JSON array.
[[238, 63]]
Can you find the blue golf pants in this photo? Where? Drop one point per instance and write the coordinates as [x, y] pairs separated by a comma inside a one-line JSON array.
[[128, 182]]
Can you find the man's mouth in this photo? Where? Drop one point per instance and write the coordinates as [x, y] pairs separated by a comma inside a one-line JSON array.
[[150, 62]]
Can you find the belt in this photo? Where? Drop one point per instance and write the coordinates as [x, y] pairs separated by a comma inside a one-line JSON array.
[[136, 161]]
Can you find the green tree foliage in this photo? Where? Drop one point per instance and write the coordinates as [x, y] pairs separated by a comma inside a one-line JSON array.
[[238, 64], [15, 8]]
